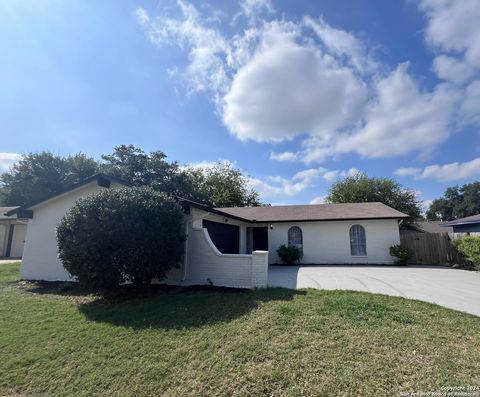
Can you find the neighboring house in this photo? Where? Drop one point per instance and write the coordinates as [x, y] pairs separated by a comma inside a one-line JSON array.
[[12, 234], [232, 246], [468, 225], [428, 227]]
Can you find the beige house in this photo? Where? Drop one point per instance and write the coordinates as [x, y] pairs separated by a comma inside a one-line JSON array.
[[12, 234], [230, 246]]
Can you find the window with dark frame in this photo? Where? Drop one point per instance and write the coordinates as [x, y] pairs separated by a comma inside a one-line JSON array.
[[295, 237], [358, 241]]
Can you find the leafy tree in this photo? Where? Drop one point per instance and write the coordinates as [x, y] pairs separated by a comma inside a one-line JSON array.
[[141, 169], [220, 186], [360, 188], [37, 175], [121, 235], [40, 174], [457, 202]]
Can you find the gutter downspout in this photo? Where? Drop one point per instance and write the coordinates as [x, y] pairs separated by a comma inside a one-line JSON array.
[[185, 257]]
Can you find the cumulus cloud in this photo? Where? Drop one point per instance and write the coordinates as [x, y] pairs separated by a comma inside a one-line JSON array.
[[452, 69], [453, 28], [274, 186], [402, 118], [287, 89], [318, 200], [344, 44], [278, 79], [445, 172], [8, 159], [283, 156], [470, 109]]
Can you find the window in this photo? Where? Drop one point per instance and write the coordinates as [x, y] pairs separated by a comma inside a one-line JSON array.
[[358, 242], [295, 236]]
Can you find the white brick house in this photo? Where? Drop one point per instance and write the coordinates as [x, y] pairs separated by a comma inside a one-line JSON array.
[[230, 246]]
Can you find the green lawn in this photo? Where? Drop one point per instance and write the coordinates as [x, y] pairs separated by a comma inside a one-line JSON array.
[[273, 342]]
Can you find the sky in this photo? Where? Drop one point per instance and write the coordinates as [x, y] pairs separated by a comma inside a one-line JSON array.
[[296, 94]]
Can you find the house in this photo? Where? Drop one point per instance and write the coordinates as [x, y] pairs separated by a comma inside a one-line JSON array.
[[40, 255], [428, 227], [12, 234], [468, 225], [230, 246]]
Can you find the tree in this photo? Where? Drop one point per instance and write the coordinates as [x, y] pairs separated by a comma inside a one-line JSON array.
[[360, 188], [457, 202], [222, 185], [121, 235], [40, 174], [141, 169], [219, 186], [37, 175]]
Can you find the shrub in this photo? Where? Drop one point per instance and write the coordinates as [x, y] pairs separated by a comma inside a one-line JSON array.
[[470, 248], [403, 254], [289, 254], [121, 235]]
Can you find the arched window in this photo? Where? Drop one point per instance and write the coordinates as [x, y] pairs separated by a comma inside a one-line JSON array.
[[295, 236], [358, 242]]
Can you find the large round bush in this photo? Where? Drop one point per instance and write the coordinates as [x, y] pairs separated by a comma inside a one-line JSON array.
[[121, 235]]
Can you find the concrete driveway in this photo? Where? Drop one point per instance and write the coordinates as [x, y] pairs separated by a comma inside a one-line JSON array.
[[452, 288]]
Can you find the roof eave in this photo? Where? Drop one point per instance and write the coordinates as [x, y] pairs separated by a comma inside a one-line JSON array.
[[206, 208], [95, 177], [460, 223], [327, 219]]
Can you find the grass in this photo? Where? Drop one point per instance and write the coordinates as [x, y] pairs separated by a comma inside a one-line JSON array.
[[275, 342]]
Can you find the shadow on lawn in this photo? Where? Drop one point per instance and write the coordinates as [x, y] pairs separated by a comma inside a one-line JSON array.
[[181, 308]]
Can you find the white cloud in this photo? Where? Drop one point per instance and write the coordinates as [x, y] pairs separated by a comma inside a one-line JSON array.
[[402, 119], [452, 69], [206, 47], [8, 159], [425, 206], [251, 8], [445, 172], [274, 186], [342, 43], [278, 79], [411, 171], [318, 200], [287, 89], [284, 156], [470, 110], [453, 27]]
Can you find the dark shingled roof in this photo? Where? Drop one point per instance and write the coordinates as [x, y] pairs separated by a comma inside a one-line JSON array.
[[4, 210], [433, 227], [315, 212], [463, 221], [98, 177]]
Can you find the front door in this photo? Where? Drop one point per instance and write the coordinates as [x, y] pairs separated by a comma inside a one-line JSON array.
[[260, 239]]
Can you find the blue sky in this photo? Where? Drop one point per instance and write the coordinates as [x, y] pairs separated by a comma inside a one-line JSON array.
[[296, 94]]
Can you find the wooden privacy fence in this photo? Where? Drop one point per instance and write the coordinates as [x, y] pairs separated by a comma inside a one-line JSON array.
[[431, 248]]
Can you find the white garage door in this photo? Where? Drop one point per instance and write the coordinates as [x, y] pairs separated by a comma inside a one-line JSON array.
[[18, 241]]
